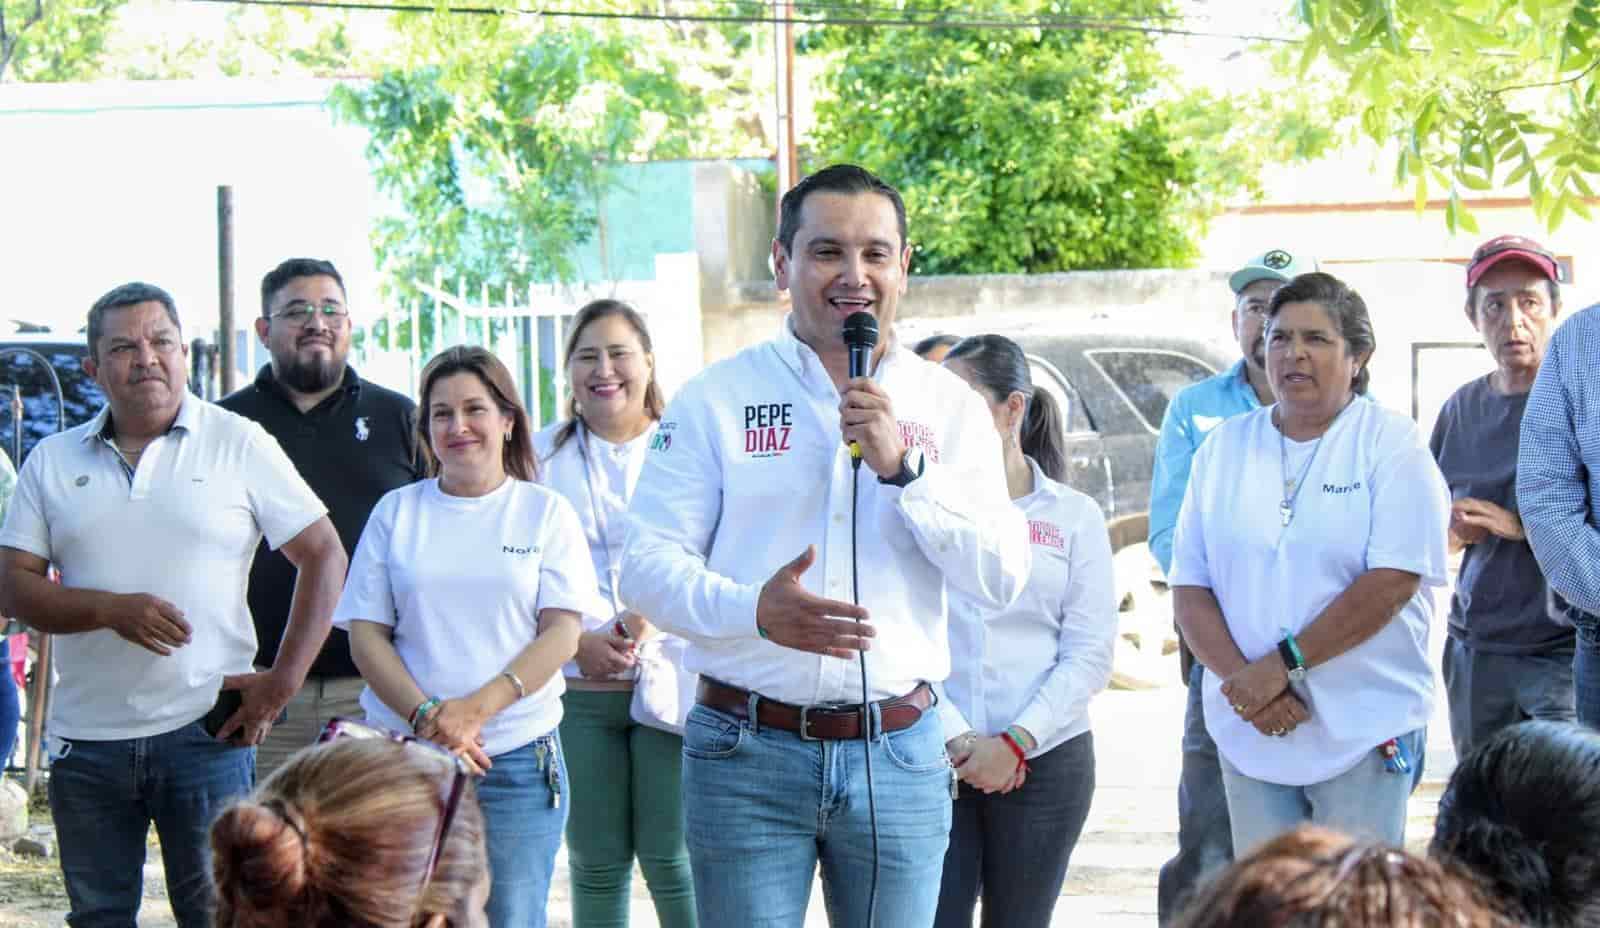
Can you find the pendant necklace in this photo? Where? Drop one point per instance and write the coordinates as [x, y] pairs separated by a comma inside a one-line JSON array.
[[1291, 488]]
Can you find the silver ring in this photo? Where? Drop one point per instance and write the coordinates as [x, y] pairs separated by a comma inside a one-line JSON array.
[[1279, 732]]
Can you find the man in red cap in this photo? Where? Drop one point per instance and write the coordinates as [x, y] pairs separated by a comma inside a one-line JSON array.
[[1506, 659]]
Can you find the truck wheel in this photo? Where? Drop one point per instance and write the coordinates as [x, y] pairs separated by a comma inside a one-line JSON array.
[[1146, 648]]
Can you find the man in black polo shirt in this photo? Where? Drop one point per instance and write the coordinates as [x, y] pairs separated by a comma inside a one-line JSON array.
[[351, 440]]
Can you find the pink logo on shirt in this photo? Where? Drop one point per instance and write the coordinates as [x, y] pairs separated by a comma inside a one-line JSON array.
[[917, 435], [1047, 534]]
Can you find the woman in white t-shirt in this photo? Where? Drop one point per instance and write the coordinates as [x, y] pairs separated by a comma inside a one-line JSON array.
[[463, 602], [1023, 676], [625, 698], [1307, 543]]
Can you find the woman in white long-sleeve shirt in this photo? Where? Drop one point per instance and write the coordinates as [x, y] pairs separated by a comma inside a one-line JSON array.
[[1023, 676], [627, 693]]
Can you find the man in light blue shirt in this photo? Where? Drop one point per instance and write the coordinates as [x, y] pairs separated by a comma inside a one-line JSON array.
[[1558, 490], [1205, 842]]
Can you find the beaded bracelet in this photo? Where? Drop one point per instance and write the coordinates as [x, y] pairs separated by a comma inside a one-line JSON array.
[[420, 713]]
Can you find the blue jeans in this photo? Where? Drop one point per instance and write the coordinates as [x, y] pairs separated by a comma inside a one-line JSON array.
[[763, 807], [10, 706], [523, 817], [105, 794], [1366, 801], [1205, 836], [1014, 847], [1586, 666]]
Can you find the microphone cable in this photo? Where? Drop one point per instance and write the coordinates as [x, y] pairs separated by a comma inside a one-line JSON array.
[[866, 707], [860, 336]]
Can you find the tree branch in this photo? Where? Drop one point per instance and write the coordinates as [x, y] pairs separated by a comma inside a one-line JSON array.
[[1568, 80]]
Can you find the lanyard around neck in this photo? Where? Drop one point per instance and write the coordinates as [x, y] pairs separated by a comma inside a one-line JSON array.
[[601, 524]]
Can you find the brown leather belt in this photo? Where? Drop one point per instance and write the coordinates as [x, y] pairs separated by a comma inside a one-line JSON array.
[[815, 723]]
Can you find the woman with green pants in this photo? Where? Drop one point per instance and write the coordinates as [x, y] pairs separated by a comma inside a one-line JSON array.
[[627, 693]]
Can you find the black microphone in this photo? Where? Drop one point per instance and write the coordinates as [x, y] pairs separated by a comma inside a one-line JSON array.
[[860, 336]]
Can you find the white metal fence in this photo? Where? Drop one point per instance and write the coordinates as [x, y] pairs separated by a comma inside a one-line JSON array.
[[524, 327], [527, 328]]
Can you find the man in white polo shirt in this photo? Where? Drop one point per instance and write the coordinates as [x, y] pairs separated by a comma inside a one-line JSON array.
[[151, 511]]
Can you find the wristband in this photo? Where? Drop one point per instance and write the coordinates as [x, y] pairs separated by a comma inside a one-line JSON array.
[[1016, 748], [1017, 736], [1294, 663], [420, 713], [1294, 648], [516, 682]]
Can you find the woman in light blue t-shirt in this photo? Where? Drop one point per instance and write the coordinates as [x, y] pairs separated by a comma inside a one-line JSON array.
[[1309, 536]]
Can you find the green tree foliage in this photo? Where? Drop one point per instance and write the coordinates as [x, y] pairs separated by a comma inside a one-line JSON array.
[[53, 40], [1024, 150], [256, 42], [85, 40], [1472, 95], [495, 140], [726, 66]]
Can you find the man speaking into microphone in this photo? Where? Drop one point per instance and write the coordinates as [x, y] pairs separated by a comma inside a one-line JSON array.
[[748, 531]]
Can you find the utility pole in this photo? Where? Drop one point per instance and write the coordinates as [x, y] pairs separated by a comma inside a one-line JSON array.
[[225, 287], [783, 94]]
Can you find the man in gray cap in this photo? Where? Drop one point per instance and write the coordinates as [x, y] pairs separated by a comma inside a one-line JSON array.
[[1205, 838]]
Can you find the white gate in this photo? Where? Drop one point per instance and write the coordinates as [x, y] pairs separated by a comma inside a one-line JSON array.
[[527, 329]]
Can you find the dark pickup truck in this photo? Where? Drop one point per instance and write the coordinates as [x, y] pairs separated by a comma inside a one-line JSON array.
[[25, 380], [1113, 390]]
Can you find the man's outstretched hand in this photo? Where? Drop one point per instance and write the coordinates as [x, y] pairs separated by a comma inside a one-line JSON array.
[[790, 615]]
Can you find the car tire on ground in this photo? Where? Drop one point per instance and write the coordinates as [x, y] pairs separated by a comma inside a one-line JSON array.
[[1146, 649]]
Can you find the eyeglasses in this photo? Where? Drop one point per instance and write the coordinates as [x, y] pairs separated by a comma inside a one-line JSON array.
[[299, 312], [450, 792], [1253, 304]]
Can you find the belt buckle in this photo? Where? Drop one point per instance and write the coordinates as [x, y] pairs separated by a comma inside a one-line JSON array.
[[805, 711], [806, 735]]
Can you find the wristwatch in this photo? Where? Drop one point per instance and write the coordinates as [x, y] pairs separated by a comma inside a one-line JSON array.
[[1293, 662], [911, 466]]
